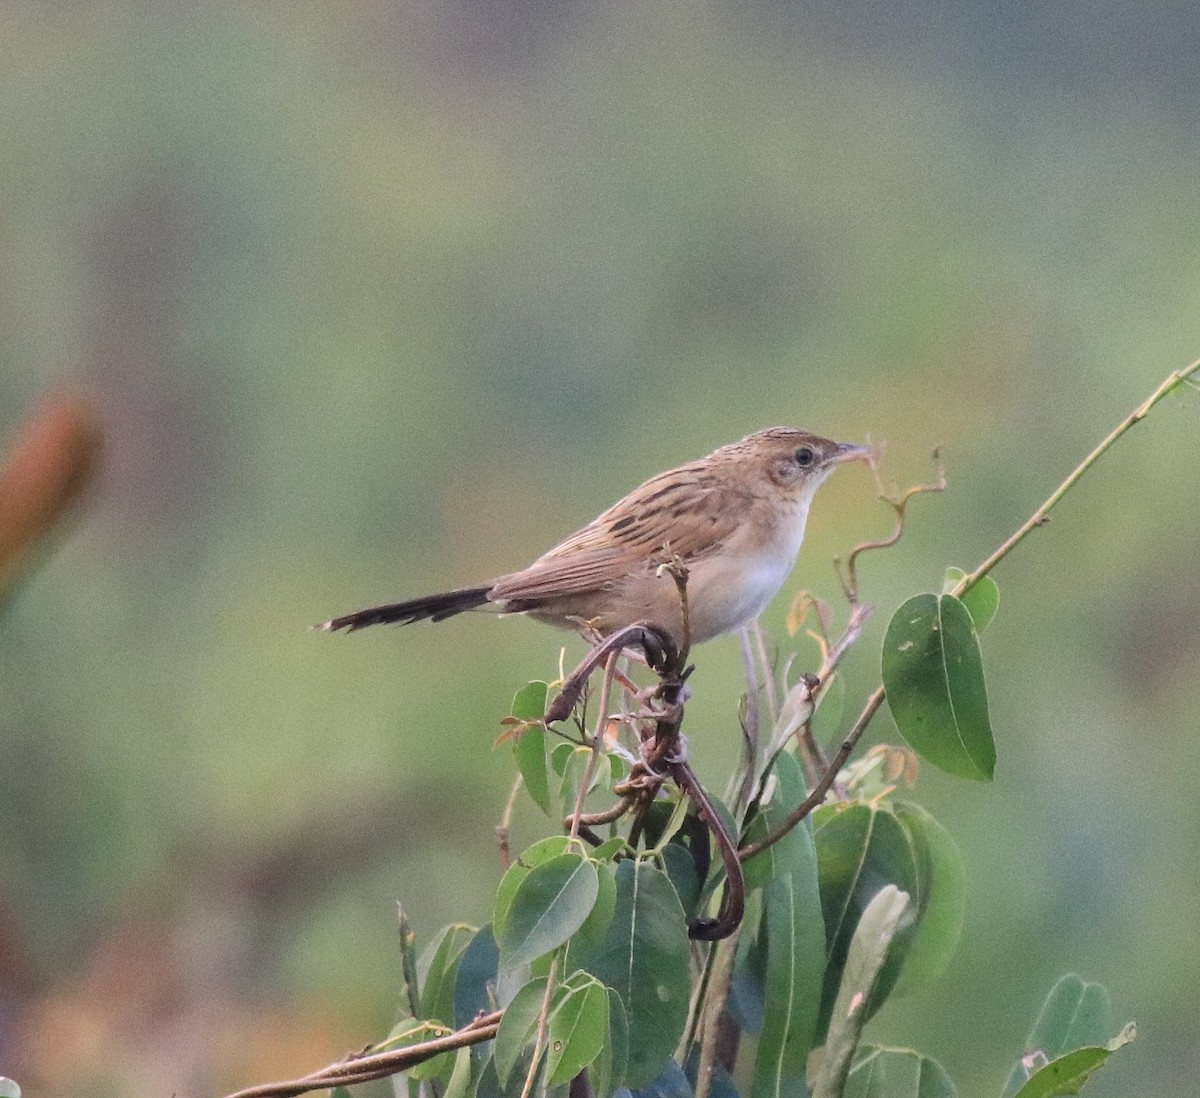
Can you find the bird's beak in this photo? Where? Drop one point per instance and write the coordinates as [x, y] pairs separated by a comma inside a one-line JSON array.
[[850, 451]]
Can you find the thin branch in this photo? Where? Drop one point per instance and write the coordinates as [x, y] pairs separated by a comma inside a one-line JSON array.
[[817, 796], [539, 1043], [715, 1000], [768, 667], [1038, 518], [379, 1065], [597, 819], [504, 827]]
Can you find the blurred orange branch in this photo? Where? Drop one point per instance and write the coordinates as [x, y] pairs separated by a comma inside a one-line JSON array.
[[52, 460]]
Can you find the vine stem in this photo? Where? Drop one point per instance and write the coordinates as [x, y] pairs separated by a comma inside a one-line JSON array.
[[1038, 518]]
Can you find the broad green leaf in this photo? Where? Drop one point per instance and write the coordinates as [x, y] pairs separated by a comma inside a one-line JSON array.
[[795, 934], [940, 898], [1075, 1014], [477, 967], [1068, 1073], [559, 754], [896, 1073], [933, 675], [680, 866], [747, 989], [549, 906], [586, 940], [794, 929], [518, 1028], [538, 854], [644, 957], [578, 1028], [609, 849], [880, 923], [982, 600], [609, 1068], [529, 704], [860, 849]]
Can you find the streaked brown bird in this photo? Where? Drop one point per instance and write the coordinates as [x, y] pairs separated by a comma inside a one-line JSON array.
[[735, 519]]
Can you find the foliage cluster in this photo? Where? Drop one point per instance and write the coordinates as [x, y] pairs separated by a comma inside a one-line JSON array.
[[623, 958]]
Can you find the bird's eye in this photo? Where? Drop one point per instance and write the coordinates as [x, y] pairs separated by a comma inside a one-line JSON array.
[[805, 456]]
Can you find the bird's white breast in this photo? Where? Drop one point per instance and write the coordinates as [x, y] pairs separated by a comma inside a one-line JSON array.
[[734, 587]]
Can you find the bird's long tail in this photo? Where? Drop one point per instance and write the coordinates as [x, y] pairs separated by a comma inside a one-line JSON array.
[[431, 607]]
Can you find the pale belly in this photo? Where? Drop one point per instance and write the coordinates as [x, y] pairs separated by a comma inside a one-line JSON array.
[[724, 597]]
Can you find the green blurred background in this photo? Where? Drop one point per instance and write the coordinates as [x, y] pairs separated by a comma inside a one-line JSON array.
[[377, 299]]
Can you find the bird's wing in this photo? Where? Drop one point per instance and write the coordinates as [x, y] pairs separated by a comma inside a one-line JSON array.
[[572, 574], [685, 513]]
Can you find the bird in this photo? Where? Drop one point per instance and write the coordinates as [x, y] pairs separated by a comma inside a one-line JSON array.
[[734, 520]]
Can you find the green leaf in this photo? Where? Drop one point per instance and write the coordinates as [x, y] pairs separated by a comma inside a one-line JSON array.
[[8, 1088], [860, 848], [518, 1027], [550, 904], [578, 1028], [609, 1067], [941, 898], [477, 968], [786, 790], [609, 849], [880, 923], [586, 940], [529, 705], [982, 600], [437, 968], [680, 865], [747, 989], [1067, 1074], [795, 963], [644, 958], [538, 854], [1075, 1014], [460, 1075], [933, 675], [896, 1073], [794, 928]]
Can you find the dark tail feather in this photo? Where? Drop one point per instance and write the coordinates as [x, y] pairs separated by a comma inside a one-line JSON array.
[[433, 607]]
